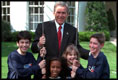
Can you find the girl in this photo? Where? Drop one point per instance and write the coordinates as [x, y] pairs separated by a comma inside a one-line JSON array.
[[55, 68], [71, 54]]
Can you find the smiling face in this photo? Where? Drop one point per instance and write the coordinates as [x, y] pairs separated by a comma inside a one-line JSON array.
[[71, 57], [60, 14], [23, 45], [95, 46], [55, 68]]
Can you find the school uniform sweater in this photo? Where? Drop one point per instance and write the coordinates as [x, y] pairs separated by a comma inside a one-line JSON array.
[[25, 65], [69, 73], [97, 68]]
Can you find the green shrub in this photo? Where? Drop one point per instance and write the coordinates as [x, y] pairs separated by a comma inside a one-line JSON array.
[[96, 16], [14, 34], [107, 35], [85, 36], [33, 35]]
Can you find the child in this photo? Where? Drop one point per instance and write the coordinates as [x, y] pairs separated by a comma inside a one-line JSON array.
[[71, 54], [55, 68], [98, 66], [22, 64]]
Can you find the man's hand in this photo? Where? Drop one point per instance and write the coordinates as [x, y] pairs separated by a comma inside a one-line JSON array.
[[42, 52], [42, 41]]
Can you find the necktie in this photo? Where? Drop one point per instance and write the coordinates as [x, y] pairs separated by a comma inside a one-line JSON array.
[[59, 36]]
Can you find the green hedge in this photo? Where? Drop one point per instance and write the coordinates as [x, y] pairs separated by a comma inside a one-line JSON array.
[[14, 34], [85, 36], [33, 35]]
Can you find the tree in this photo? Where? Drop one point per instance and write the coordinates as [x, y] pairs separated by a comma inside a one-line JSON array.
[[111, 20], [96, 16], [6, 31]]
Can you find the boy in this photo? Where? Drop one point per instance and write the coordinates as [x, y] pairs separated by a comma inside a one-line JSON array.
[[98, 66], [22, 64]]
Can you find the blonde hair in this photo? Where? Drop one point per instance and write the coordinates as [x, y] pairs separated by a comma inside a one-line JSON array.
[[69, 49]]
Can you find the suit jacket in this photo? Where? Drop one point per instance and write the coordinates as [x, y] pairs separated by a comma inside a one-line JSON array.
[[69, 36]]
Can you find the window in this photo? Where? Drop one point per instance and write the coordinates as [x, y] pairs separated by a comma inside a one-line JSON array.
[[5, 10], [36, 9], [71, 16]]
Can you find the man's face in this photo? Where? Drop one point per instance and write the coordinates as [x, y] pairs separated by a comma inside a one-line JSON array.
[[55, 69], [60, 14], [23, 45]]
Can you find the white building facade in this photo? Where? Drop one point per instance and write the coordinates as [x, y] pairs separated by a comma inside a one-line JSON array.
[[25, 15]]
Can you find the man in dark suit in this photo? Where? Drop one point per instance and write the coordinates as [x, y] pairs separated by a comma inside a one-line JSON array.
[[50, 37]]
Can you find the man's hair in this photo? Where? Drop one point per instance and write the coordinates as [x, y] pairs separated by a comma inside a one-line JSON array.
[[24, 35], [99, 36], [61, 4]]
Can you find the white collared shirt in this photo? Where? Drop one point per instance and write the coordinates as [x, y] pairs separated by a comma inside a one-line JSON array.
[[57, 26]]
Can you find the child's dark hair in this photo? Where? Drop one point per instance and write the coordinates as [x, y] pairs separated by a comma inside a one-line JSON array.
[[99, 36], [24, 35], [63, 66]]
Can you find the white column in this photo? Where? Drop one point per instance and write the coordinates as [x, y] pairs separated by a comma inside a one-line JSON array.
[[18, 15], [82, 8], [77, 15]]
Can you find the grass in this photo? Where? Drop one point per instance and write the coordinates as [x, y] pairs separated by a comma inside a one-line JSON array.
[[108, 49]]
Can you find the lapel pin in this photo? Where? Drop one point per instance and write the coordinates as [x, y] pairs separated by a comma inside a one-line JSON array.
[[67, 33]]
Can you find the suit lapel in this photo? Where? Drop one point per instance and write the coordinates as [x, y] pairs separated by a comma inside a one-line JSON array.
[[65, 38], [51, 37], [54, 33]]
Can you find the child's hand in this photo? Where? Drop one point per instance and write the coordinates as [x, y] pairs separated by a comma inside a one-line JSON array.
[[44, 76], [74, 68], [43, 70], [76, 63], [73, 74], [42, 52], [42, 64]]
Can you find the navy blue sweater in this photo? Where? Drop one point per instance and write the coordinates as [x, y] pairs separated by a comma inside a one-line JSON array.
[[97, 68], [25, 65], [68, 74]]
